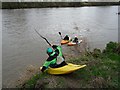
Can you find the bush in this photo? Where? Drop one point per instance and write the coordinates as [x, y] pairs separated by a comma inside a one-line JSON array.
[[96, 52], [111, 47]]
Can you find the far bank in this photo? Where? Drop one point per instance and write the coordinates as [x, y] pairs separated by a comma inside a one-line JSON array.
[[19, 5]]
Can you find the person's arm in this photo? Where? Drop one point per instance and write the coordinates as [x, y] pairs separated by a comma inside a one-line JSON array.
[[43, 68], [64, 38], [67, 38], [48, 61], [77, 39], [45, 65], [54, 47]]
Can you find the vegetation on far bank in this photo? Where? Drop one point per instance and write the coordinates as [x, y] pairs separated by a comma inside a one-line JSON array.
[[101, 72], [20, 5]]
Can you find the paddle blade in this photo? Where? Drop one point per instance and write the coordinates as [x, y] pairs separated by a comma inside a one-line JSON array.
[[60, 33]]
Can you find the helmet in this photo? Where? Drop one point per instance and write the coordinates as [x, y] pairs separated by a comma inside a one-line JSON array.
[[49, 50], [75, 36]]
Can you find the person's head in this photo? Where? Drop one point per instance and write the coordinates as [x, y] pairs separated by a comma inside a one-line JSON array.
[[75, 36], [49, 51], [67, 35]]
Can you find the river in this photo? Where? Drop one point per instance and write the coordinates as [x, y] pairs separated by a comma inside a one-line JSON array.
[[21, 46]]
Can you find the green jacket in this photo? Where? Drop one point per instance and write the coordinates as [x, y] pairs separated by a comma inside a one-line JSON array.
[[52, 59]]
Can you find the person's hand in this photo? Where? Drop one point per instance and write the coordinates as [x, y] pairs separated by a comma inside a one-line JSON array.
[[42, 71], [71, 39], [54, 46]]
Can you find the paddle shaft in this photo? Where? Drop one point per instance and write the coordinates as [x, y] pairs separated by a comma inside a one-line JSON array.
[[60, 35], [43, 37]]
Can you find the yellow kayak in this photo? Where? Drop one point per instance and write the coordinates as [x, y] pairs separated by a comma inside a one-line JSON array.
[[64, 42], [65, 69]]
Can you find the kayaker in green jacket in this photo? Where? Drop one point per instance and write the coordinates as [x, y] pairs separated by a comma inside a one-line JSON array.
[[54, 56]]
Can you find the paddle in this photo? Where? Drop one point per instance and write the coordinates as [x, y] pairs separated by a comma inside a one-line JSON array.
[[43, 37], [60, 35]]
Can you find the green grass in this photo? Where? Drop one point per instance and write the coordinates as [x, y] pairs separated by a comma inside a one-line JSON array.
[[32, 82]]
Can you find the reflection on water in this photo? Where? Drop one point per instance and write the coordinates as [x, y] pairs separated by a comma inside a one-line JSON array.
[[23, 47]]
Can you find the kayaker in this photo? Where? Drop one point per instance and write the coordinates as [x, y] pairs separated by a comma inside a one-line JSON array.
[[75, 39], [66, 37], [53, 56]]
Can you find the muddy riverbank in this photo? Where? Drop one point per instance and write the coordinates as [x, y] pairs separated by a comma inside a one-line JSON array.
[[101, 72]]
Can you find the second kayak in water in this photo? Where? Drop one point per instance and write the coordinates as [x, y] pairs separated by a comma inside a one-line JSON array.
[[74, 43], [64, 42]]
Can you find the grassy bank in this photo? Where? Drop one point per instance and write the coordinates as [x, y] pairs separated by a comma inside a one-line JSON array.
[[101, 72], [18, 5]]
